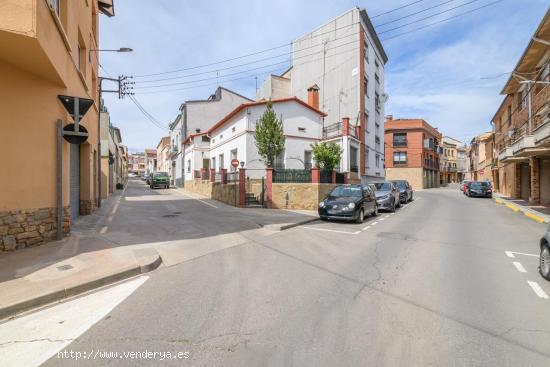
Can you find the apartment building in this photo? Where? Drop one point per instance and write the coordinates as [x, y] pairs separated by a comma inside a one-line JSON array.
[[344, 59], [164, 162], [48, 48], [137, 164], [198, 116], [448, 164], [481, 157], [521, 124], [462, 163], [151, 160], [414, 147]]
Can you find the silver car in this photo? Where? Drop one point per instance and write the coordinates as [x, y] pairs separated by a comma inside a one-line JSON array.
[[544, 267]]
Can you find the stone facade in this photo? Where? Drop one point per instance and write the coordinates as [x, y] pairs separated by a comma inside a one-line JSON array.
[[29, 227], [299, 195], [214, 190], [87, 207]]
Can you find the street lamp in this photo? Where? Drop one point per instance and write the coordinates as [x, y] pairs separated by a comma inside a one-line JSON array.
[[121, 49]]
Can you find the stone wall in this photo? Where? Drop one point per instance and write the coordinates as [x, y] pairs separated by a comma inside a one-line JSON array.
[[299, 195], [29, 227], [214, 190], [87, 207], [413, 175]]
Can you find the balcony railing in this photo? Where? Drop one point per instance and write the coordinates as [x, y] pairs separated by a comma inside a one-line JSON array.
[[400, 143], [337, 129]]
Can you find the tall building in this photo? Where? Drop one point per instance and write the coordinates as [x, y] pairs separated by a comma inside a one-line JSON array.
[[344, 60], [48, 48], [481, 157], [522, 124], [413, 148], [448, 169]]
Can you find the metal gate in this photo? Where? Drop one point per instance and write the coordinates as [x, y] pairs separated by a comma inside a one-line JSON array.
[[74, 180]]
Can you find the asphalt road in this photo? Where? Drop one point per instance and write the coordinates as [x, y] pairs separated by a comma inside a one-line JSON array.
[[442, 282]]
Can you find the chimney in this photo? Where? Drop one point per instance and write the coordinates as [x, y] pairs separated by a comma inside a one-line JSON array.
[[345, 126], [389, 117], [313, 96]]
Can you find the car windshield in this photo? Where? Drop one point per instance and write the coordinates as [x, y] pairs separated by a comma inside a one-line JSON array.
[[382, 186], [479, 185], [160, 174], [401, 185], [345, 191]]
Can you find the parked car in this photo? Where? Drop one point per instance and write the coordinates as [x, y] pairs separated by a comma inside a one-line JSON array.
[[387, 195], [348, 202], [143, 177], [149, 179], [479, 189], [462, 184], [160, 179], [405, 190], [544, 259]]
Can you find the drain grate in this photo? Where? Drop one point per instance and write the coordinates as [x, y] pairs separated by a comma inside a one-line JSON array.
[[64, 267]]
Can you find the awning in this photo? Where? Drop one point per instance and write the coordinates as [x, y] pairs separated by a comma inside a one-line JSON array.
[[107, 7]]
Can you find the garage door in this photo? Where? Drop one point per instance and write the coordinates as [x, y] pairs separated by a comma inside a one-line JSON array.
[[75, 180], [525, 181]]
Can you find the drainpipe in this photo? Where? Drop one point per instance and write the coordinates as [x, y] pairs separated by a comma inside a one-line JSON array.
[[529, 99]]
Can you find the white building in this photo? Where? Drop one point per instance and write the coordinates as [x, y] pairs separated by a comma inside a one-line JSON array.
[[197, 116], [345, 58]]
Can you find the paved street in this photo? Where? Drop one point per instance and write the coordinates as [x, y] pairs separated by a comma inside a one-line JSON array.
[[424, 286]]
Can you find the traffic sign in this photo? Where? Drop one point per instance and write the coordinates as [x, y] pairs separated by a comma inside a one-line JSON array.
[[235, 163], [74, 137]]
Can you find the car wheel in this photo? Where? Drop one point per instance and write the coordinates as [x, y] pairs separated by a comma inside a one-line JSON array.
[[544, 268], [360, 216], [375, 211], [411, 198], [324, 218], [393, 207]]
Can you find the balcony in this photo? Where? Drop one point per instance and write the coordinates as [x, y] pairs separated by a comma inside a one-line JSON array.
[[400, 144], [542, 132], [337, 129], [505, 154], [522, 142]]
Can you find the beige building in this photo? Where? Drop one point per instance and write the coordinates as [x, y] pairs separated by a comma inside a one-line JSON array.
[[164, 161], [481, 157], [448, 163], [46, 51], [137, 164]]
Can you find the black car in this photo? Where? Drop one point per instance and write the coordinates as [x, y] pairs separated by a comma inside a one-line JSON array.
[[348, 202], [479, 189], [387, 195], [405, 190]]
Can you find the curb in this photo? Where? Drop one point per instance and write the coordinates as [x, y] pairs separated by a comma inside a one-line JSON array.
[[306, 221], [58, 295], [528, 213]]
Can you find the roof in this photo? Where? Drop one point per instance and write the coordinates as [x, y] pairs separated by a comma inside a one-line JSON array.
[[107, 7], [258, 103], [413, 124], [193, 136], [165, 140], [532, 54], [216, 96]]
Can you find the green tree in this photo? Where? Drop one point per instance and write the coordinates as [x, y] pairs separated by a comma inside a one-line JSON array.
[[269, 136], [326, 155]]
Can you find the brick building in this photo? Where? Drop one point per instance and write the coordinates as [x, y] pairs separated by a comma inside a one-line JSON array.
[[522, 124], [412, 152]]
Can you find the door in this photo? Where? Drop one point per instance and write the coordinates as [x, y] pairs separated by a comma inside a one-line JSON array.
[[74, 177], [525, 191]]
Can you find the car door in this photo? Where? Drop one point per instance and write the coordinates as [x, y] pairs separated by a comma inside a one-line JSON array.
[[368, 199]]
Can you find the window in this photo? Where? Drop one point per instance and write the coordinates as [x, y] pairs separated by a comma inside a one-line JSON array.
[[399, 157], [366, 44], [377, 139], [377, 128], [213, 165], [307, 159], [400, 139], [523, 98], [78, 57], [376, 64], [233, 129], [377, 159], [366, 85], [221, 161], [377, 82], [188, 165], [377, 101], [280, 161], [302, 129], [367, 157]]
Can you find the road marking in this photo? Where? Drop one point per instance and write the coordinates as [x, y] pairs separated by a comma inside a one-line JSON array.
[[520, 267], [330, 230], [103, 230], [367, 227], [374, 223], [32, 339], [537, 289], [511, 254], [194, 198]]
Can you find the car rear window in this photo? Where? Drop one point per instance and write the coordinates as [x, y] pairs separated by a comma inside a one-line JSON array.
[[160, 174]]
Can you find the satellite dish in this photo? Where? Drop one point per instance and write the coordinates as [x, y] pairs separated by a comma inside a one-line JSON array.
[[384, 98]]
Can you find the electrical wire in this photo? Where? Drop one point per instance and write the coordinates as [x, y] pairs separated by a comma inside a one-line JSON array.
[[396, 9], [415, 13]]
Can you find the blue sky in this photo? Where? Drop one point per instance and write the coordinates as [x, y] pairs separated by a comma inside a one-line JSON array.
[[435, 73]]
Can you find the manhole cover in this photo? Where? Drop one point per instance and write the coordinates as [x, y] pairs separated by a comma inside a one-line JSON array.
[[64, 267]]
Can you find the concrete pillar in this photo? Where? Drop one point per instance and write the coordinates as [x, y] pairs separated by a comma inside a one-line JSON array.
[[534, 164], [212, 175], [224, 176], [345, 126], [242, 187], [269, 186], [315, 175], [333, 180]]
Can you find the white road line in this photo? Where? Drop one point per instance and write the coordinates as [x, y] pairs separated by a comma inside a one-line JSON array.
[[367, 227], [103, 230], [329, 230], [520, 267], [374, 223], [511, 254], [537, 289]]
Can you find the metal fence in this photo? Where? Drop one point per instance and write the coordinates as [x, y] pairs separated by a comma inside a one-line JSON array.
[[233, 176], [292, 175], [340, 178], [325, 176]]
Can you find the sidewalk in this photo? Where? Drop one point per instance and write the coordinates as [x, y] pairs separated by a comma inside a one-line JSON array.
[[539, 213]]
